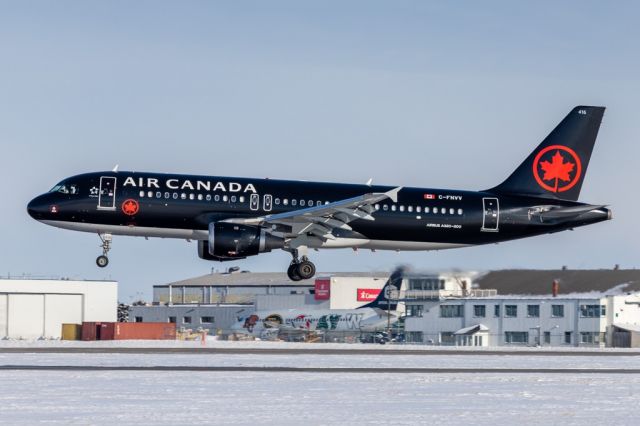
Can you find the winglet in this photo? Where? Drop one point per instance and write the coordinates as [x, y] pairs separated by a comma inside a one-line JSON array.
[[393, 194]]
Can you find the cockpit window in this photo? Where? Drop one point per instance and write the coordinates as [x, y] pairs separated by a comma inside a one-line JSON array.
[[66, 189]]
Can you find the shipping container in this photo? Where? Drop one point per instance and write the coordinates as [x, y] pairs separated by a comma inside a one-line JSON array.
[[71, 331], [105, 331], [145, 331], [89, 330]]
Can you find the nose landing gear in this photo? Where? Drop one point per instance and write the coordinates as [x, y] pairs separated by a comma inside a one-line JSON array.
[[300, 268], [102, 260]]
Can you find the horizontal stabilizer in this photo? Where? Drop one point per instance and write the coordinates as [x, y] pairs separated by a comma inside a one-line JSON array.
[[553, 213]]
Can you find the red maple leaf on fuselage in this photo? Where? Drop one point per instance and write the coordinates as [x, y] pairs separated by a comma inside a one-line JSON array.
[[557, 169]]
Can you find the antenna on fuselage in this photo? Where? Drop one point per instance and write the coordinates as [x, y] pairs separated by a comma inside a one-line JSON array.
[[369, 181], [115, 169]]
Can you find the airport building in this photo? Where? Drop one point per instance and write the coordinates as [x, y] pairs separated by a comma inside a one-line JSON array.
[[512, 307], [37, 308], [596, 308]]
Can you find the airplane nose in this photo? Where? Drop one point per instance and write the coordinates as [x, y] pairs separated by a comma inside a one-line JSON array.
[[37, 208]]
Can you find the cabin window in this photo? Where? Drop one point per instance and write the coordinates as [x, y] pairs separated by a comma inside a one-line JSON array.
[[208, 197], [200, 197], [385, 207], [302, 202], [393, 208], [141, 194], [242, 198], [233, 198], [150, 194], [452, 211], [418, 209], [435, 210], [285, 202], [175, 195], [318, 203], [192, 196], [294, 202], [225, 198], [326, 202], [166, 195], [158, 194], [216, 198], [277, 201], [460, 212], [401, 208], [410, 209], [183, 196], [443, 210], [310, 203]]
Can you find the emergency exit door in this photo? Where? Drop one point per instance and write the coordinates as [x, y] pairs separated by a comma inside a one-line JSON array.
[[491, 214], [107, 195]]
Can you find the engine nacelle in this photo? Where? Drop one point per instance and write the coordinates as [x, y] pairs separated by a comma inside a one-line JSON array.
[[228, 241]]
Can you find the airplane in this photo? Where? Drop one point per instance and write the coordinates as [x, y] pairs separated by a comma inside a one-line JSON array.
[[234, 218], [373, 316]]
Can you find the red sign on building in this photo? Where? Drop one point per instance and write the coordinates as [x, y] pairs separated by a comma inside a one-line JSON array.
[[323, 289], [367, 294]]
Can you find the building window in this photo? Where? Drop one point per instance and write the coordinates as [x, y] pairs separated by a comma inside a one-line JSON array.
[[447, 338], [567, 337], [138, 319], [414, 310], [451, 311], [510, 311], [592, 311], [479, 311], [516, 337], [206, 320], [186, 320], [547, 337], [172, 319], [591, 337], [414, 337], [533, 311], [557, 311], [496, 311]]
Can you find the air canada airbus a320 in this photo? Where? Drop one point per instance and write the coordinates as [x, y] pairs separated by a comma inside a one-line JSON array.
[[233, 218]]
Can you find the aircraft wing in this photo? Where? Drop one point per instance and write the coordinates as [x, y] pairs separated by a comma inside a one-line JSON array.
[[322, 220]]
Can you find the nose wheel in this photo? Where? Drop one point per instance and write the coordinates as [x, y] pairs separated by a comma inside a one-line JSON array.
[[102, 260], [301, 269]]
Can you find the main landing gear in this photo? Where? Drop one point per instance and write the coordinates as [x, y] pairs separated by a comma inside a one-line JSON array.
[[103, 260], [300, 268]]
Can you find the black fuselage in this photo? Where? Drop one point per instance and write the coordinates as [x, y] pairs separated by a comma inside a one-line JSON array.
[[183, 206]]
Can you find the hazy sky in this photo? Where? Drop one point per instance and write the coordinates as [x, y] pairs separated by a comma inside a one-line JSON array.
[[434, 94]]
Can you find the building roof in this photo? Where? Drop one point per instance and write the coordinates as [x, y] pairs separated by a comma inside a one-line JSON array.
[[249, 279], [472, 329], [539, 282]]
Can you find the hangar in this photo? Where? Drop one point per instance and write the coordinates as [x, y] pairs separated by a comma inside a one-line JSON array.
[[37, 308]]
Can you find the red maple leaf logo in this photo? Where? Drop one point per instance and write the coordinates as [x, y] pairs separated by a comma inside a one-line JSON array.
[[557, 169], [564, 174], [130, 207]]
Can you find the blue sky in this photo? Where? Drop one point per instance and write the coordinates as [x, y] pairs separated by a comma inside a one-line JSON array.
[[434, 94]]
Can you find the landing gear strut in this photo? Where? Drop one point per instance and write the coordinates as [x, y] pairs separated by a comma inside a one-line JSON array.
[[300, 268], [103, 260]]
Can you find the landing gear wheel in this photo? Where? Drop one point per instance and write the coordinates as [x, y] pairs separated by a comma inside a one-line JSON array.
[[292, 272], [102, 261], [306, 269]]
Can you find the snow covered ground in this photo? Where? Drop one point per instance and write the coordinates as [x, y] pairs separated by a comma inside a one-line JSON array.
[[170, 397]]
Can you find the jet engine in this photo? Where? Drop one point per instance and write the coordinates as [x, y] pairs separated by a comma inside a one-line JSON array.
[[229, 241]]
